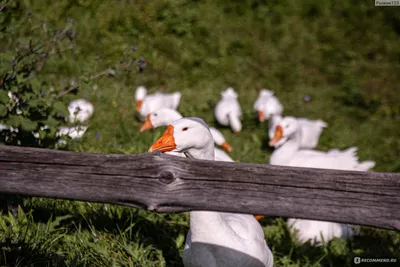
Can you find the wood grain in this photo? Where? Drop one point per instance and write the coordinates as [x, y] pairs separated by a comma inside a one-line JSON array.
[[165, 183]]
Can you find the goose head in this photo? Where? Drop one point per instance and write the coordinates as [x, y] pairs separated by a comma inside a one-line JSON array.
[[140, 94], [287, 127], [229, 93], [80, 110], [187, 135], [160, 117], [265, 93]]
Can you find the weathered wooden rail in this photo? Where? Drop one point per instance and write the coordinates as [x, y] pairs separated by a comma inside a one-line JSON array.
[[164, 183]]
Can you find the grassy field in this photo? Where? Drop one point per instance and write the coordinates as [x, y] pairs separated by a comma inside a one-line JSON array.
[[343, 56]]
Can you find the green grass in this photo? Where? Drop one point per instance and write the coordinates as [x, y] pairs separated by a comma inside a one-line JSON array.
[[345, 56]]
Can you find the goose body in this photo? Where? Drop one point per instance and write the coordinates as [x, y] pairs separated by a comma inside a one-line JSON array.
[[221, 155], [218, 239], [3, 127], [73, 132], [227, 112], [166, 116], [318, 231], [146, 104], [267, 105], [310, 130], [288, 153], [80, 110], [215, 239]]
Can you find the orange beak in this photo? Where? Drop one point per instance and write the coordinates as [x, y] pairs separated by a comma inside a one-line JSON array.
[[147, 124], [139, 105], [277, 137], [258, 217], [166, 142], [261, 117], [226, 146]]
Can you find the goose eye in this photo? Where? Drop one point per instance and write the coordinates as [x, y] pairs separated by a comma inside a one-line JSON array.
[[155, 114], [184, 129]]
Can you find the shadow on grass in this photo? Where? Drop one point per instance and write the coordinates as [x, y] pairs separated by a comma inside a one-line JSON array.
[[23, 255], [10, 203], [150, 229]]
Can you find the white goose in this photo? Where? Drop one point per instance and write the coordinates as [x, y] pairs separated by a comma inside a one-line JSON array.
[[215, 239], [3, 127], [73, 132], [166, 116], [80, 110], [219, 139], [267, 105], [149, 103], [310, 130], [287, 152], [227, 112]]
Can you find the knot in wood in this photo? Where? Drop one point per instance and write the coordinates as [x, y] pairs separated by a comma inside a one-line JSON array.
[[166, 177]]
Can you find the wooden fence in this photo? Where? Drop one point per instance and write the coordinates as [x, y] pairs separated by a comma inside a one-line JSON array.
[[164, 183]]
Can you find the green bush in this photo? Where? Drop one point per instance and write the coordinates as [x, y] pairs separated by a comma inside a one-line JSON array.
[[32, 94]]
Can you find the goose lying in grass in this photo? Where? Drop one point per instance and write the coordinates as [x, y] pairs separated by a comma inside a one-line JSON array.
[[215, 239], [166, 116], [149, 103], [227, 112], [73, 132], [267, 105], [318, 232], [310, 130], [288, 152], [80, 110]]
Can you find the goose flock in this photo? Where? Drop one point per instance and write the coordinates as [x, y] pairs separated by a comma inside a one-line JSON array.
[[220, 239], [228, 239]]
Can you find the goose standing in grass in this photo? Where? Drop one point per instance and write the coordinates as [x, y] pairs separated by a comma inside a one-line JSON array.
[[287, 140], [227, 112], [267, 105], [310, 130], [215, 239], [166, 116], [149, 103]]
